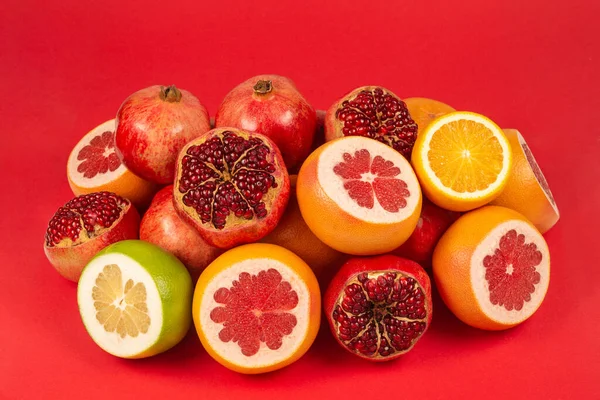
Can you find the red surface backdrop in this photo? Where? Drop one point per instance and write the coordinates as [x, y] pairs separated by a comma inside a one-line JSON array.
[[533, 65]]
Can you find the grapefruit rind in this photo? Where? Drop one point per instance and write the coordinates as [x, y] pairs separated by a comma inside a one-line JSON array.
[[112, 342], [73, 163], [435, 125], [333, 184], [230, 351], [550, 200], [480, 285]]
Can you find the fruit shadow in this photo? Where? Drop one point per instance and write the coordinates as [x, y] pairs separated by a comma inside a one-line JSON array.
[[184, 356], [446, 329]]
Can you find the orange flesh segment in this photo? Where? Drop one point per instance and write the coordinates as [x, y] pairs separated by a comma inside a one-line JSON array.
[[465, 155]]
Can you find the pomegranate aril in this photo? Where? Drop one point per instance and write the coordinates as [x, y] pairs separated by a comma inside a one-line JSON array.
[[382, 306], [243, 179], [90, 213]]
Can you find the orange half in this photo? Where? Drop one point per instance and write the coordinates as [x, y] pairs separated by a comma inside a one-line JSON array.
[[462, 160], [527, 190], [423, 110]]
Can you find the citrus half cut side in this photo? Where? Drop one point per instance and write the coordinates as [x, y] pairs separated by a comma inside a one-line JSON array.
[[359, 196], [94, 166], [492, 268], [135, 299], [257, 308], [527, 190], [463, 160]]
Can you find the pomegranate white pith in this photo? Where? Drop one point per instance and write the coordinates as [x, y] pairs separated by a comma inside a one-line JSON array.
[[92, 150], [231, 349], [113, 342], [511, 313], [347, 153]]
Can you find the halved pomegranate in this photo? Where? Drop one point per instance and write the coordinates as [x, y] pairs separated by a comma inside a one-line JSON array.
[[231, 185], [379, 307], [374, 112], [84, 226]]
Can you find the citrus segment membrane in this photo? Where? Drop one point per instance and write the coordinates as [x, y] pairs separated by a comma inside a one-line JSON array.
[[120, 308], [120, 305], [510, 272], [99, 156], [466, 155], [228, 179], [380, 313], [368, 180], [255, 313], [256, 310], [537, 172], [365, 177], [94, 160]]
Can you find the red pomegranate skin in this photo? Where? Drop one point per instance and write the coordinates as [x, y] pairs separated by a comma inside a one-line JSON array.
[[162, 226], [151, 129], [433, 222], [70, 261], [389, 263], [282, 114]]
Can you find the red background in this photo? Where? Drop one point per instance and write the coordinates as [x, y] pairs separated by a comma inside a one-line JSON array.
[[533, 65]]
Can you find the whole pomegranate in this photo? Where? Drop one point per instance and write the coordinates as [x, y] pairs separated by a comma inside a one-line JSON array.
[[379, 307], [84, 226], [162, 226], [232, 186], [271, 105], [152, 125], [374, 112], [432, 224]]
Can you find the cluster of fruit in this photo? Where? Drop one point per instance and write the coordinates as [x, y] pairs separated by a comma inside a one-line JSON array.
[[272, 195]]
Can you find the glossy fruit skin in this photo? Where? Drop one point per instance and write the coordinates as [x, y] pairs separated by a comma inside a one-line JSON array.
[[432, 224], [293, 234], [523, 193], [259, 250], [167, 272], [282, 114], [150, 131], [328, 221], [70, 261], [357, 265], [423, 110], [242, 233], [162, 226], [452, 263]]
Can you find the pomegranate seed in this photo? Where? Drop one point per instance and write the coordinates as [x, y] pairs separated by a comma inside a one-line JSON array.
[[227, 176], [89, 213], [380, 115], [381, 313]]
